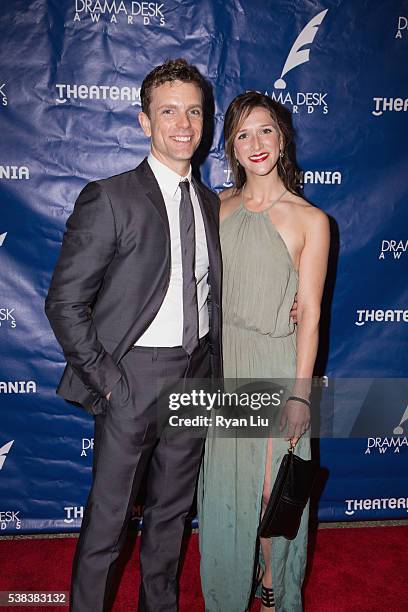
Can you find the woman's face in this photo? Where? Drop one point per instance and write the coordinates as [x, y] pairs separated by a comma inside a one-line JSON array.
[[257, 143]]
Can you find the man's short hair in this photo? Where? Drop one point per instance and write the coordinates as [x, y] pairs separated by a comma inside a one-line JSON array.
[[171, 70]]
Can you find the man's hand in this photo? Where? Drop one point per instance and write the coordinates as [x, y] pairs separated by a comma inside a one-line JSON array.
[[293, 310]]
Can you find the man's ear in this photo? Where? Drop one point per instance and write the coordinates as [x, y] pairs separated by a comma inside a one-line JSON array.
[[145, 123]]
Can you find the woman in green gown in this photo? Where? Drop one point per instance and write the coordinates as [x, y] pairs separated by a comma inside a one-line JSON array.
[[274, 247]]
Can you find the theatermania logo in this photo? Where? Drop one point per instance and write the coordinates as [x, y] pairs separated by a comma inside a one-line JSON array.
[[301, 101], [121, 11], [307, 177], [389, 105], [3, 95], [321, 177], [73, 513], [18, 386], [369, 504], [371, 315], [14, 173], [75, 91]]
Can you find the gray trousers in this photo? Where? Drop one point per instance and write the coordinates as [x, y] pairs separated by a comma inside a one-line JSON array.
[[126, 445]]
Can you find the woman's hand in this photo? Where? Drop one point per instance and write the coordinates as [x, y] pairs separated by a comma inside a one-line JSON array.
[[296, 417], [293, 310]]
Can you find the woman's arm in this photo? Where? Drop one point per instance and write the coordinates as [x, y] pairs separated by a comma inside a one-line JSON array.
[[312, 274]]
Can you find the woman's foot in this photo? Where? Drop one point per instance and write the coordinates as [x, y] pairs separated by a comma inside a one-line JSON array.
[[268, 599]]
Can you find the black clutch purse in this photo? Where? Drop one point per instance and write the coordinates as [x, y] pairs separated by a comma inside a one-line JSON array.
[[289, 496]]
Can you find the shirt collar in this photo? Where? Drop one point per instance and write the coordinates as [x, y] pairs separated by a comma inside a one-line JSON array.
[[166, 177]]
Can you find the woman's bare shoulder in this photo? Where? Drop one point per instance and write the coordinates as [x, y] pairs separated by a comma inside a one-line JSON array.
[[230, 199], [309, 213]]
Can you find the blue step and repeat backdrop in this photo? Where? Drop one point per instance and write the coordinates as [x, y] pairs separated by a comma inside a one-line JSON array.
[[70, 81]]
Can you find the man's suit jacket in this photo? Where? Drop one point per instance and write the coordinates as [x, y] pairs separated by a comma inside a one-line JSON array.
[[112, 276]]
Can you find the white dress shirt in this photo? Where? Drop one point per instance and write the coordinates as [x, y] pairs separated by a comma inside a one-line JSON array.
[[166, 328]]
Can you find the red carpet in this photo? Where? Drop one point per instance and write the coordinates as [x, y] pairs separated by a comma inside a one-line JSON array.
[[350, 570]]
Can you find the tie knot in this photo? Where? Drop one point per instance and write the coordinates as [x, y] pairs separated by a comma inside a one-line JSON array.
[[185, 186]]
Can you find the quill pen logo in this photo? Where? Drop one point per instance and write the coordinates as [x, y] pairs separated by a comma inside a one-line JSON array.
[[301, 101], [4, 450], [399, 430], [297, 55]]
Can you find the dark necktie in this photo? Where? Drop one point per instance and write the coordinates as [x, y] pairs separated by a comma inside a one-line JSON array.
[[188, 248]]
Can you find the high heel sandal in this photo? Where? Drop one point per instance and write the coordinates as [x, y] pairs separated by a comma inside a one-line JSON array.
[[267, 597]]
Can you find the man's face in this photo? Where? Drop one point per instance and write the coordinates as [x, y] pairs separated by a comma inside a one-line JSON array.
[[175, 124]]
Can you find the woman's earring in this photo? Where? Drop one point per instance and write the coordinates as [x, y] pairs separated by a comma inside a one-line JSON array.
[[281, 153]]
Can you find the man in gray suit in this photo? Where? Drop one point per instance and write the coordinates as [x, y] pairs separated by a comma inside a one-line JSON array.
[[130, 305]]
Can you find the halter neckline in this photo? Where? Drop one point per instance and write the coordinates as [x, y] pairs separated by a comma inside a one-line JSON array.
[[259, 212]]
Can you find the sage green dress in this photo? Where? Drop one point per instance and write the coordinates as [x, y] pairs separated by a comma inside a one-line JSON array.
[[259, 341]]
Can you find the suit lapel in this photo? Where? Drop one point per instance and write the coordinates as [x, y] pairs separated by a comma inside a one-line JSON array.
[[152, 191]]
